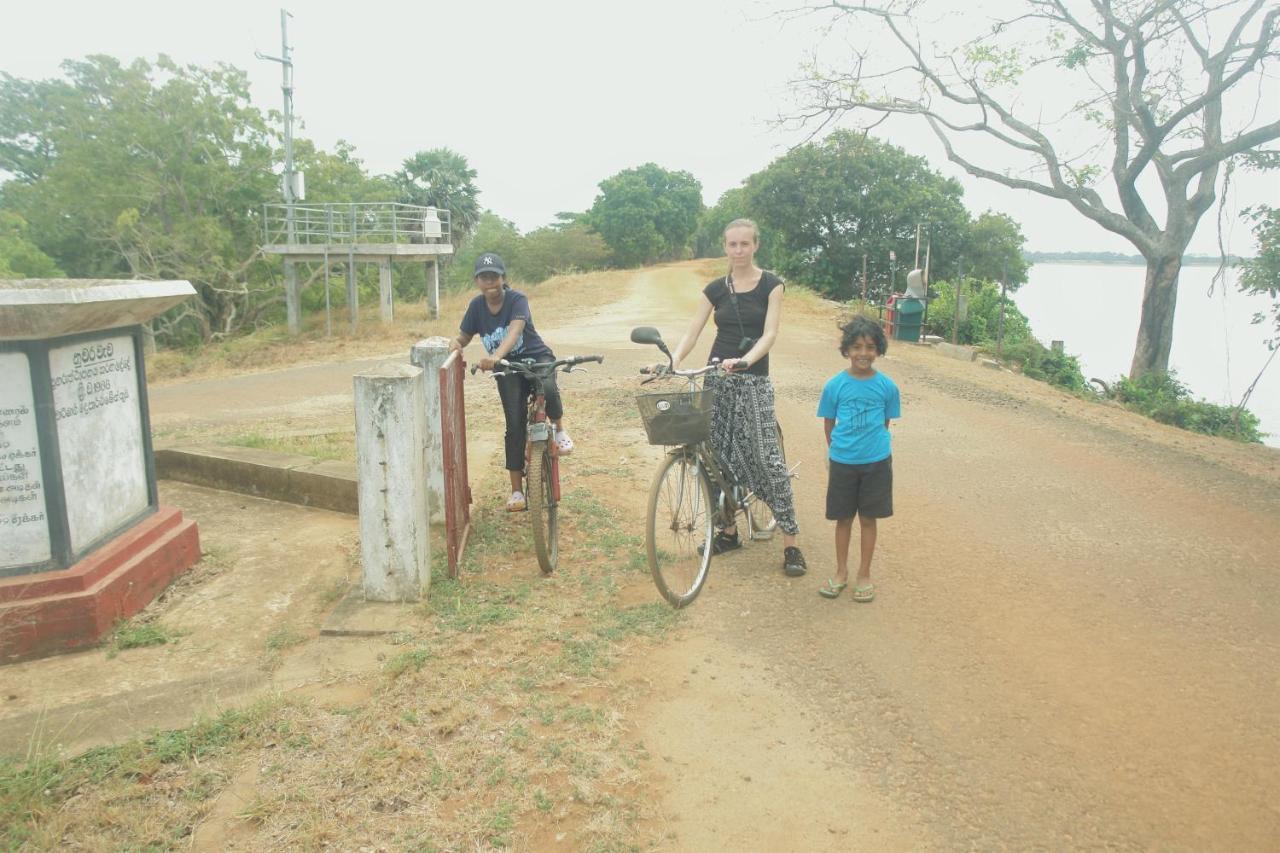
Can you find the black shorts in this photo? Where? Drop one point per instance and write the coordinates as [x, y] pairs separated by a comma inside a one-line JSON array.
[[865, 490]]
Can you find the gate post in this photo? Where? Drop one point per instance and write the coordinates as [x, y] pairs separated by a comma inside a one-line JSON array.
[[429, 354], [394, 533]]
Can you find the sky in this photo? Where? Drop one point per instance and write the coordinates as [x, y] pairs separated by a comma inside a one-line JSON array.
[[546, 99]]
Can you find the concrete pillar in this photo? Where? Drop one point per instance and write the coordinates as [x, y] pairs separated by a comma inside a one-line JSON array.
[[394, 534], [384, 290], [433, 290], [429, 354], [292, 297], [353, 295]]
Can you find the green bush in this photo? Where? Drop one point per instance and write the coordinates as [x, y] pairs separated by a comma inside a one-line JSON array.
[[1042, 363], [1161, 397]]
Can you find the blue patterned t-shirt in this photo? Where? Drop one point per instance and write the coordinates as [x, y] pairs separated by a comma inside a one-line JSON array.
[[492, 328], [860, 408]]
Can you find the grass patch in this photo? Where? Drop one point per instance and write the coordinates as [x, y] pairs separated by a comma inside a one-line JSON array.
[[410, 661], [284, 637], [36, 787], [129, 634], [473, 606], [339, 445]]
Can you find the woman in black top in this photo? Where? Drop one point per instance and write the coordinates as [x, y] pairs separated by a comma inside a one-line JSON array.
[[747, 304]]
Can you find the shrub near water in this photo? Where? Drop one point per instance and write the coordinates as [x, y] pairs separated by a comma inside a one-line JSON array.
[[1161, 397], [981, 328]]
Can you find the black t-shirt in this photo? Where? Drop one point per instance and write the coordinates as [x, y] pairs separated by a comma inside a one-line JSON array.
[[492, 328], [752, 308]]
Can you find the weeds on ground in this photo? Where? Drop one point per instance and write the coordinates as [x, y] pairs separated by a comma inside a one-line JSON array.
[[147, 793], [339, 445], [137, 634], [493, 720]]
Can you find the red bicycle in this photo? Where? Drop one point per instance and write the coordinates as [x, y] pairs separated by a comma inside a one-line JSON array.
[[541, 457]]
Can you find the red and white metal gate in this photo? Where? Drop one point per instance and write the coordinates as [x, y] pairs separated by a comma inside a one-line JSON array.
[[453, 438]]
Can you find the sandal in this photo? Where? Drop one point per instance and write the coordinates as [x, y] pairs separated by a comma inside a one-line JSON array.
[[831, 589], [517, 503], [865, 593], [564, 444]]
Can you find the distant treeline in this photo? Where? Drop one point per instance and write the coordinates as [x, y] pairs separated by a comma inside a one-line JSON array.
[[1118, 258]]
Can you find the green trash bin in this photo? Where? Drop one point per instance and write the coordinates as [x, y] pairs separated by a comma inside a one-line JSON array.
[[908, 317]]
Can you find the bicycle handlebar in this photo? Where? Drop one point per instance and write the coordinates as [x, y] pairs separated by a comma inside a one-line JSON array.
[[693, 371], [541, 367]]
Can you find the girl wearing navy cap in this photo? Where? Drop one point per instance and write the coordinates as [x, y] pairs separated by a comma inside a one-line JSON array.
[[504, 322]]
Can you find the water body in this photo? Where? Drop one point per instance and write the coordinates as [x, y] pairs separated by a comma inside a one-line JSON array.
[[1217, 351]]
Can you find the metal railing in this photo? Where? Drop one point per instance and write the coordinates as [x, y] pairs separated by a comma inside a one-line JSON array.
[[353, 223]]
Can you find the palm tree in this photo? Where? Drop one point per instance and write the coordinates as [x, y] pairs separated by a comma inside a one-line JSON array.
[[442, 178]]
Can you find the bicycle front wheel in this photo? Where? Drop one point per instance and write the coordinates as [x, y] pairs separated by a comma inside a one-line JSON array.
[[759, 516], [680, 528], [542, 505]]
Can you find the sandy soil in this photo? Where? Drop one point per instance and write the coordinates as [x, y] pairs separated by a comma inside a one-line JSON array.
[[1074, 643]]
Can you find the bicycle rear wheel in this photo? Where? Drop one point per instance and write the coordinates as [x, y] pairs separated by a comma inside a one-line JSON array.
[[679, 531], [760, 518], [542, 505]]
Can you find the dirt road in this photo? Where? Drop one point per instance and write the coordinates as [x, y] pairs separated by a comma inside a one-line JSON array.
[[1075, 642]]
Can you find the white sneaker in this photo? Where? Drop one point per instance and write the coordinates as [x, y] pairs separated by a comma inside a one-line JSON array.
[[563, 443], [516, 503]]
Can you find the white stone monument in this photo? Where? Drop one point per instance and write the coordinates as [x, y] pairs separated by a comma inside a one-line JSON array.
[[76, 469]]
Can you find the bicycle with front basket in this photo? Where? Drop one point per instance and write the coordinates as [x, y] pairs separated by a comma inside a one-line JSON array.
[[541, 457], [693, 491]]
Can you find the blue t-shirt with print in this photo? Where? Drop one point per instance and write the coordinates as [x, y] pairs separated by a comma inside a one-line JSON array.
[[860, 408], [492, 328]]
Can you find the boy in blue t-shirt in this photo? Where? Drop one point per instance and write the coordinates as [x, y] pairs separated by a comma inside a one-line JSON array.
[[856, 407]]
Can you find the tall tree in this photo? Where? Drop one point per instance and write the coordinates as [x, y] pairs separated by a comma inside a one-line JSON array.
[[442, 178], [19, 257], [993, 250], [146, 170], [647, 214], [823, 205], [1156, 73]]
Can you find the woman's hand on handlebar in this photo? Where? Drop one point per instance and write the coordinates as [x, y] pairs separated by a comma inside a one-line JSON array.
[[486, 364], [735, 365]]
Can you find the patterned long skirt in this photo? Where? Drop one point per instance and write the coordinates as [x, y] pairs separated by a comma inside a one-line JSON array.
[[744, 435]]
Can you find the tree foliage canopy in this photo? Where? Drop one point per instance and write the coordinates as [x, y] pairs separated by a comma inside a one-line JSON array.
[[647, 214], [827, 203], [1153, 77], [442, 178]]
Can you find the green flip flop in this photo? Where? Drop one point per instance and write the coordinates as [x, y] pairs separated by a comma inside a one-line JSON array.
[[864, 594], [831, 589]]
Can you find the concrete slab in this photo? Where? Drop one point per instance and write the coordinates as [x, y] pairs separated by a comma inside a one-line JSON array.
[[957, 351], [40, 308], [356, 617], [288, 477]]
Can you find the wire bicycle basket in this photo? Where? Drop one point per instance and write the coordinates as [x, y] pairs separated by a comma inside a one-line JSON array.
[[676, 417]]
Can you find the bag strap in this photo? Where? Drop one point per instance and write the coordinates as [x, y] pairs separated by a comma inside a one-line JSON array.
[[733, 298]]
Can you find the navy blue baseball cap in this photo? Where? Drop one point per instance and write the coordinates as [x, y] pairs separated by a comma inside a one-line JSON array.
[[489, 262]]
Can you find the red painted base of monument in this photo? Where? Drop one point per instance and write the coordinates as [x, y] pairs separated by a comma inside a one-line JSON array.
[[51, 612]]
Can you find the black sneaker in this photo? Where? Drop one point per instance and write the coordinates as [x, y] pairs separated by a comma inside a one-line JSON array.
[[793, 564], [723, 542]]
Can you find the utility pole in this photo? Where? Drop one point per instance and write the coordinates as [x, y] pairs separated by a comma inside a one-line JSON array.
[[955, 316], [864, 279], [893, 271], [917, 265], [288, 183]]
